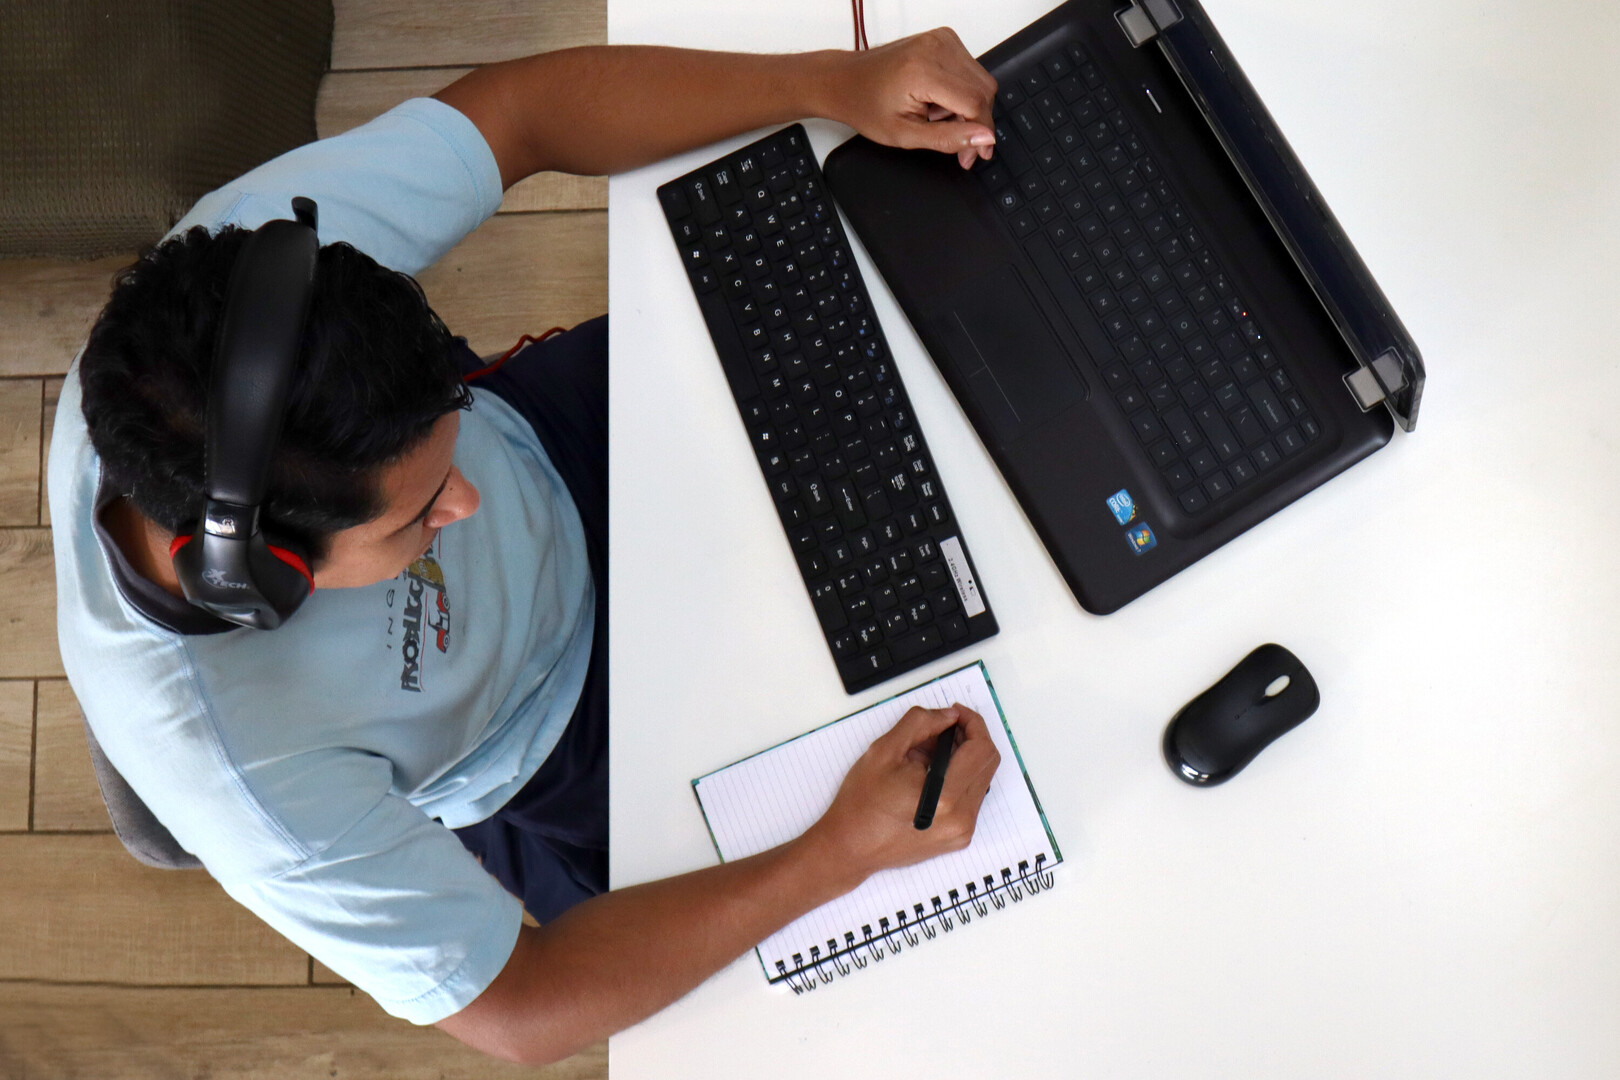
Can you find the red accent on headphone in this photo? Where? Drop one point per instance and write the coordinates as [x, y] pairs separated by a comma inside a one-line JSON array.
[[295, 562], [507, 355], [281, 553]]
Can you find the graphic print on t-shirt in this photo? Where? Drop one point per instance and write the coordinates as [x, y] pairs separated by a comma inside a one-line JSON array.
[[423, 603]]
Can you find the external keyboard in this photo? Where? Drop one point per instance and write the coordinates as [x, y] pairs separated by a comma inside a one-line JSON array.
[[848, 469], [1192, 373]]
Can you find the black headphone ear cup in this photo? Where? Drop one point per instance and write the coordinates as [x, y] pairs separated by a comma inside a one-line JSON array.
[[293, 556], [283, 577], [250, 582]]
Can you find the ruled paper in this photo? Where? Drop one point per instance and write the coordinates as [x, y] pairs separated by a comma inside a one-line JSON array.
[[772, 797]]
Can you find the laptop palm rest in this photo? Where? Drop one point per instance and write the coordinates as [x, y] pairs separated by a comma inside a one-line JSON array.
[[1005, 354]]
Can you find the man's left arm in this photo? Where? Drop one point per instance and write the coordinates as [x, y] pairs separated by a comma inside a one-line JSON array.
[[605, 109]]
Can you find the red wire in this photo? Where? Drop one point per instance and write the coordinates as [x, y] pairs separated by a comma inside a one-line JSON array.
[[507, 355], [858, 9]]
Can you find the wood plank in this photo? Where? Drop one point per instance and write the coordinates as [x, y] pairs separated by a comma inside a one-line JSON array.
[[53, 393], [47, 307], [350, 98], [321, 975], [80, 909], [307, 1033], [16, 752], [521, 273], [20, 403], [66, 797], [409, 33], [28, 617]]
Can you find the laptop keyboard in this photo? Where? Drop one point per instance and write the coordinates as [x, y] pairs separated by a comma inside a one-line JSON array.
[[847, 466], [1209, 400]]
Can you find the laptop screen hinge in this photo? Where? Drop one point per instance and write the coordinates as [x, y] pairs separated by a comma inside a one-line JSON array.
[[1144, 19], [1371, 385]]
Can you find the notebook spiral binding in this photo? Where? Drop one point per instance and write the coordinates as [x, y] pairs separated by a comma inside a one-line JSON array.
[[805, 974]]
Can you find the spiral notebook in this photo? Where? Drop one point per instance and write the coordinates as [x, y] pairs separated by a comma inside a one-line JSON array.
[[773, 796]]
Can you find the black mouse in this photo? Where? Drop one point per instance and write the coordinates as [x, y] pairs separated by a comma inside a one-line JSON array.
[[1221, 730]]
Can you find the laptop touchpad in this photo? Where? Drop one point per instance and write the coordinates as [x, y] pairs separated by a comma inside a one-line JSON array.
[[1003, 350]]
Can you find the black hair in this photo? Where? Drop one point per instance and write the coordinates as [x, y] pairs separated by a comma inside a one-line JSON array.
[[377, 368]]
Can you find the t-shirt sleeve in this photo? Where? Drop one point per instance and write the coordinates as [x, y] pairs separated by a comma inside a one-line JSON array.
[[398, 907], [403, 188]]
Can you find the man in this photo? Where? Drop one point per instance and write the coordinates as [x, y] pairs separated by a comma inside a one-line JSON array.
[[449, 670]]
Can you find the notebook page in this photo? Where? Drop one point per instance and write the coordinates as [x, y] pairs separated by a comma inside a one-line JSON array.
[[774, 796]]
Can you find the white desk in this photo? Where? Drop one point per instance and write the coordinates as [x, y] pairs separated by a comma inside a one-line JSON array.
[[1421, 881]]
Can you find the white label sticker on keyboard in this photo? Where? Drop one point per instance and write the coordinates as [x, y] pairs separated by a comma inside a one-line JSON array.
[[966, 588]]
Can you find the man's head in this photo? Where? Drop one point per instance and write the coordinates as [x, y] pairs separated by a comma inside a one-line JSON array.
[[370, 423]]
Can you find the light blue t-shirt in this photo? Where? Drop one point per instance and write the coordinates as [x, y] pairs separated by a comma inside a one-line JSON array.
[[305, 766]]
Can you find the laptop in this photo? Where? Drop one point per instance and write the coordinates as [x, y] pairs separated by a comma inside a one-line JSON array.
[[1142, 303]]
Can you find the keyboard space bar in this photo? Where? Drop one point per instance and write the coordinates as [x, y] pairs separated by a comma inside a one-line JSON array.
[[1049, 268]]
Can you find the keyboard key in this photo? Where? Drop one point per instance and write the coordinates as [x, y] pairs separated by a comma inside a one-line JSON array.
[[1183, 432], [829, 608], [1028, 126], [1248, 426], [1147, 427], [920, 643], [1220, 437], [876, 662], [1266, 404]]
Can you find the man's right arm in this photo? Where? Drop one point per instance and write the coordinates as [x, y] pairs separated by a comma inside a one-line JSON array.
[[620, 957]]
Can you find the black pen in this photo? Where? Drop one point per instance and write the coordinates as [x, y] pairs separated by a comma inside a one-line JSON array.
[[934, 782]]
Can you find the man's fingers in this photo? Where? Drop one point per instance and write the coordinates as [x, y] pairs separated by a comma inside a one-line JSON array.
[[974, 727], [976, 758], [966, 77], [946, 136], [966, 786], [917, 726], [957, 58], [955, 95]]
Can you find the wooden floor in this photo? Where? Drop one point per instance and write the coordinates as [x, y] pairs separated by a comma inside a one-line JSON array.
[[109, 970]]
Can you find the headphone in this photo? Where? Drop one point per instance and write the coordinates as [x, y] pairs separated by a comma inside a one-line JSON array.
[[229, 567]]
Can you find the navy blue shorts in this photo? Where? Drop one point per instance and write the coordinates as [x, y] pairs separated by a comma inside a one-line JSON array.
[[549, 844]]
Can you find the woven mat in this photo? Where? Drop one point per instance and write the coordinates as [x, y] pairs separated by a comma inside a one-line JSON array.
[[116, 116]]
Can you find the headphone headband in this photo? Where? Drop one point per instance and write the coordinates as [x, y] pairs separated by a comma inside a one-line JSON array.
[[230, 570]]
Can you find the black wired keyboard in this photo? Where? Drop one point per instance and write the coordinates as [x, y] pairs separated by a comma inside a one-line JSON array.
[[1208, 398], [847, 466]]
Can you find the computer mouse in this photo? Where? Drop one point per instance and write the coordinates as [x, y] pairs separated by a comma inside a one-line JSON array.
[[1221, 730]]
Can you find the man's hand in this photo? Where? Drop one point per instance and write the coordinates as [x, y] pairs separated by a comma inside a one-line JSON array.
[[616, 958], [924, 91], [869, 825]]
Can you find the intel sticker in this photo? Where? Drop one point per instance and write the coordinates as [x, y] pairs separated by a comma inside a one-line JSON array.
[[1122, 506], [1141, 539]]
